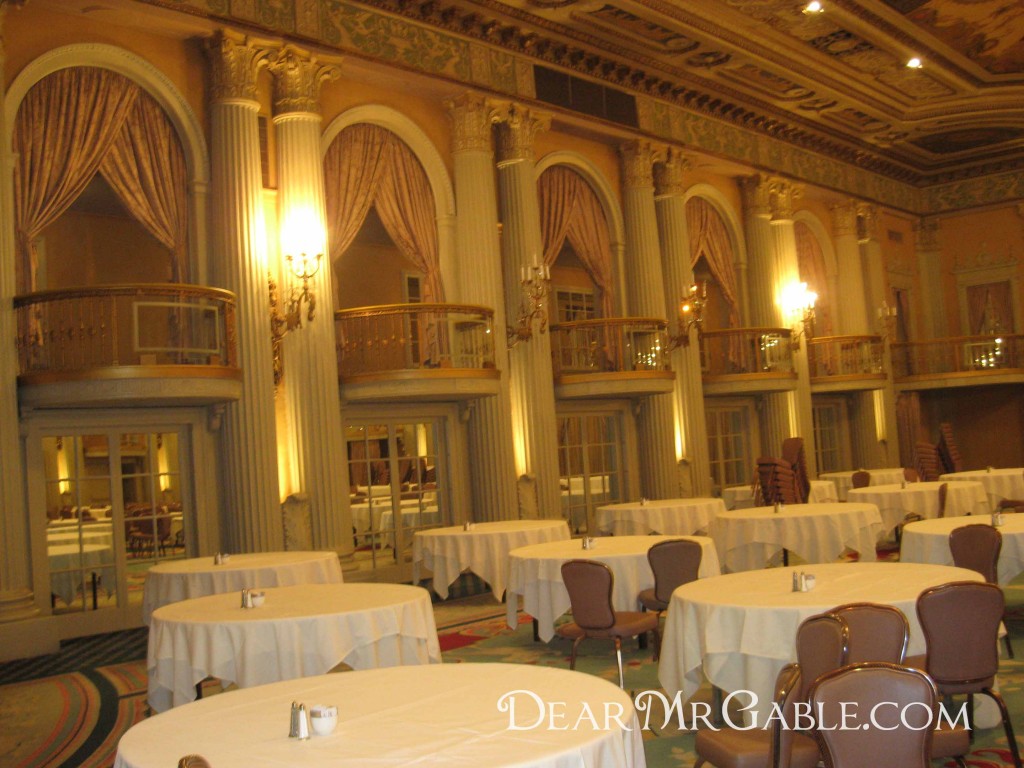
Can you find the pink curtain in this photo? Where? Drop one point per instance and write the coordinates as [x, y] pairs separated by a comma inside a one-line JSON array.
[[65, 127], [146, 168], [709, 238], [811, 265], [352, 169], [570, 209]]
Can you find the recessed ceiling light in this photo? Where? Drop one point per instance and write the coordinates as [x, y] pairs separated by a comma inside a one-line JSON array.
[[914, 63], [814, 7]]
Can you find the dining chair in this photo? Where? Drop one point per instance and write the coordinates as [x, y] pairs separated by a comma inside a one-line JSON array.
[[877, 632], [910, 475], [943, 498], [822, 644], [960, 621], [674, 563], [590, 584], [194, 761], [793, 452], [927, 461], [779, 746], [777, 481], [899, 737], [1011, 505], [860, 479], [977, 547]]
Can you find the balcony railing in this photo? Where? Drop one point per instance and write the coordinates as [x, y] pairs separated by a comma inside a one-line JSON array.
[[834, 357], [956, 355], [612, 344], [83, 329], [746, 351], [410, 337]]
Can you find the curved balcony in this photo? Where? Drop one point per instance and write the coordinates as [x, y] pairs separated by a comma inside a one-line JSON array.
[[611, 357], [846, 363], [416, 352], [739, 360], [959, 361], [148, 344]]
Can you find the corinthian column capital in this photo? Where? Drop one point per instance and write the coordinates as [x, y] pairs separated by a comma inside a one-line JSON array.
[[668, 174], [638, 158], [517, 128], [471, 116], [844, 217], [235, 61], [298, 76]]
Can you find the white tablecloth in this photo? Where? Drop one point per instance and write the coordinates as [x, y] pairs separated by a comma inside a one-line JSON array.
[[999, 483], [447, 552], [299, 631], [95, 558], [817, 533], [927, 541], [740, 629], [438, 716], [895, 502], [535, 572], [844, 480], [176, 580], [672, 517], [103, 537], [742, 496]]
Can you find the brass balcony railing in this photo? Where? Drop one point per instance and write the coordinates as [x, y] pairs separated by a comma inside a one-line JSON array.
[[959, 354], [845, 356], [612, 344], [733, 351], [403, 337], [79, 329]]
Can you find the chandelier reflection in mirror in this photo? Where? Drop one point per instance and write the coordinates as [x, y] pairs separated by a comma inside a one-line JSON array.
[[535, 281]]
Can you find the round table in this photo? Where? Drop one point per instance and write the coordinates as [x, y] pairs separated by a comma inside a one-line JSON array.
[[739, 630], [927, 541], [67, 562], [742, 496], [844, 480], [447, 552], [999, 483], [818, 533], [443, 715], [299, 631], [175, 580], [672, 517], [897, 501], [535, 572]]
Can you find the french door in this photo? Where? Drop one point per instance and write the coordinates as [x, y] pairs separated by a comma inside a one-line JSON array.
[[591, 465]]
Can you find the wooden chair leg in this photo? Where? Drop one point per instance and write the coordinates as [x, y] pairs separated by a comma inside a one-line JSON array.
[[1007, 725], [572, 656]]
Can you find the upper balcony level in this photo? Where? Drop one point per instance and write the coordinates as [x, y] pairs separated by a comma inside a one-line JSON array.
[[147, 344], [846, 363], [960, 361], [416, 351], [743, 360], [611, 357]]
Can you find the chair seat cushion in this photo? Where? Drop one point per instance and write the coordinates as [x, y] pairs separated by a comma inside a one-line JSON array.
[[650, 602], [627, 624], [730, 748], [950, 742]]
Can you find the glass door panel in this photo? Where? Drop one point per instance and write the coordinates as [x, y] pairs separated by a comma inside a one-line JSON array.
[[591, 469]]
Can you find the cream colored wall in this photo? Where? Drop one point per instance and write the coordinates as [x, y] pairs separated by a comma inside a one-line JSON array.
[[987, 423], [370, 274]]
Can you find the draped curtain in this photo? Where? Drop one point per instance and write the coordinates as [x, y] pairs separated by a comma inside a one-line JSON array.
[[989, 308], [811, 265], [570, 209], [709, 238]]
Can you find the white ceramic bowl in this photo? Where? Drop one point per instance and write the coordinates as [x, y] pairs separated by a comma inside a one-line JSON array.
[[258, 598], [322, 719]]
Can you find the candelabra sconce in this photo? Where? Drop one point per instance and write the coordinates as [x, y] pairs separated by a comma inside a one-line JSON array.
[[691, 315], [887, 320], [798, 303], [536, 285], [303, 268]]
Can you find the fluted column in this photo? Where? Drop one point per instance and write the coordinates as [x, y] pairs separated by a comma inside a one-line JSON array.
[[645, 289], [851, 307], [688, 390], [492, 470], [16, 599], [252, 515], [929, 267], [531, 382], [310, 372]]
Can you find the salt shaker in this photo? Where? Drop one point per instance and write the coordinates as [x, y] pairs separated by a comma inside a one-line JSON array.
[[247, 598], [796, 581], [299, 727]]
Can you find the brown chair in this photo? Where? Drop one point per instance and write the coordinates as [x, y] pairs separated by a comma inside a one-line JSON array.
[[775, 747], [949, 451], [902, 702], [673, 563], [822, 644], [943, 496], [589, 584], [1011, 505], [877, 632], [194, 761], [977, 546], [793, 452], [776, 480], [910, 475], [960, 621], [861, 479], [927, 461]]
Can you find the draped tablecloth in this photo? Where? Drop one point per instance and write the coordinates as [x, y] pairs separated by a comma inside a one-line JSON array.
[[844, 480], [673, 517], [174, 580], [67, 560], [897, 501], [742, 496], [535, 572], [927, 541], [818, 533], [999, 483], [438, 716], [299, 631], [739, 630], [447, 552]]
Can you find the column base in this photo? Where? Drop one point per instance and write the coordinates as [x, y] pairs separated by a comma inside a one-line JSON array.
[[17, 605]]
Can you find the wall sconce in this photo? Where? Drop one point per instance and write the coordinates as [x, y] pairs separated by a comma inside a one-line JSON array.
[[536, 283], [304, 268], [691, 315], [887, 319], [798, 303]]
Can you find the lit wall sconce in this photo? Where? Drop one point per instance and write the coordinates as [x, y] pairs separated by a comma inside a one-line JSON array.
[[798, 304], [691, 315], [536, 284], [887, 319], [304, 268]]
